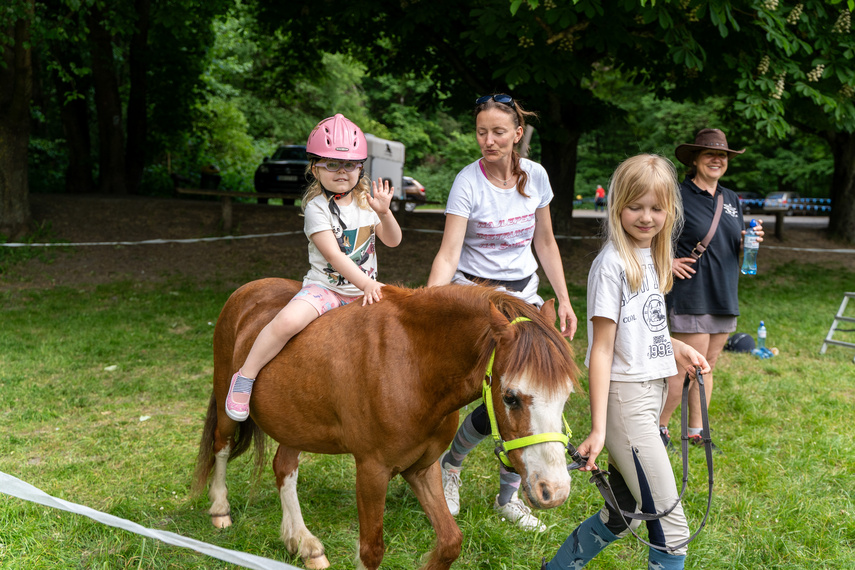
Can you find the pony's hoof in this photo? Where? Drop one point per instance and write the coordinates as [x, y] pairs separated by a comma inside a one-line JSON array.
[[317, 563], [221, 521]]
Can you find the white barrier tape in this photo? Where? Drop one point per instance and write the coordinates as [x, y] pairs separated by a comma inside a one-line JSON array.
[[811, 249], [150, 241], [277, 234], [15, 487], [441, 231]]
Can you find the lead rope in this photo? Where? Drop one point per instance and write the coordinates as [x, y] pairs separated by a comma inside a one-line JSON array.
[[598, 477]]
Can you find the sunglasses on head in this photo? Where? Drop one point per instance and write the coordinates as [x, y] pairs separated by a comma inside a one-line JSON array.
[[498, 98], [336, 165]]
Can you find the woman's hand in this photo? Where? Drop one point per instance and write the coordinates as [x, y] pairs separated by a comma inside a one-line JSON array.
[[381, 196], [758, 229], [681, 267], [373, 292], [567, 320]]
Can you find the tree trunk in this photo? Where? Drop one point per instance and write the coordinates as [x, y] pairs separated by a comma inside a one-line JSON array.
[[111, 143], [137, 106], [74, 115], [841, 223], [16, 85], [559, 154], [75, 126]]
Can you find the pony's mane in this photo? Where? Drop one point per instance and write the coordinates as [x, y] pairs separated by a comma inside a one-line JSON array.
[[539, 350]]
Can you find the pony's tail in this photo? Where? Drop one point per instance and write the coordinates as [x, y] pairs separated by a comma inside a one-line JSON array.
[[205, 459], [247, 433]]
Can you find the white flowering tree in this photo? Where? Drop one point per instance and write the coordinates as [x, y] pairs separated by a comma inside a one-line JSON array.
[[785, 64], [794, 66], [546, 53]]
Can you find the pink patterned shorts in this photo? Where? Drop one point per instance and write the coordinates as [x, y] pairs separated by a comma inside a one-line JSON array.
[[321, 298]]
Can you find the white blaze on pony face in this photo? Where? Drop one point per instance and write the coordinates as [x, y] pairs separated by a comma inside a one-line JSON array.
[[547, 482]]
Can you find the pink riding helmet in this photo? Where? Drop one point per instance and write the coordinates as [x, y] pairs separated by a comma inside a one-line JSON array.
[[339, 138]]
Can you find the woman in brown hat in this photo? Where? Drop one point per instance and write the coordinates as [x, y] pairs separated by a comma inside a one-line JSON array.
[[704, 303]]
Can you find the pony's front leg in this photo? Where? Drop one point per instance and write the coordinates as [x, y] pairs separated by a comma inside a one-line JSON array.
[[219, 511], [427, 485], [294, 533], [372, 482]]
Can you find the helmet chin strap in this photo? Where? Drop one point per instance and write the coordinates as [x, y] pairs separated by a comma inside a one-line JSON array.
[[332, 197]]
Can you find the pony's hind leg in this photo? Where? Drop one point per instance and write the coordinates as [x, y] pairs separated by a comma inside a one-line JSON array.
[[294, 533], [219, 511]]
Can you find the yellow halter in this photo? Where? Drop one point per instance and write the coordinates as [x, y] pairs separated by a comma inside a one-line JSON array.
[[503, 447]]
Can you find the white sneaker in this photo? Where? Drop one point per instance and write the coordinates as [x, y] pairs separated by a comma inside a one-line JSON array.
[[518, 512], [451, 488]]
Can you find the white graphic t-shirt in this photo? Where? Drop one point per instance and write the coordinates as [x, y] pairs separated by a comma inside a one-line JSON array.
[[643, 348], [501, 224], [356, 241]]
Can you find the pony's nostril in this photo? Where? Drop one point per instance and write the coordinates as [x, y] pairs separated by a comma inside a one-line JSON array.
[[545, 493]]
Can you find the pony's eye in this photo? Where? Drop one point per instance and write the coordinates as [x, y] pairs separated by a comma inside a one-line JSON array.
[[510, 399]]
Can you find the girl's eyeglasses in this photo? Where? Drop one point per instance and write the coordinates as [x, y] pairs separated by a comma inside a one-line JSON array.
[[336, 165], [498, 98]]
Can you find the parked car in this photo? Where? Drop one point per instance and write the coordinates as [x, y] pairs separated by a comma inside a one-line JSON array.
[[285, 171], [414, 192], [782, 201], [751, 202]]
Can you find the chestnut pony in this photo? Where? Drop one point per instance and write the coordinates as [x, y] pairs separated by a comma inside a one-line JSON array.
[[384, 382]]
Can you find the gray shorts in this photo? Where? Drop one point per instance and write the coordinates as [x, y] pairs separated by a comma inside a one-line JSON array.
[[707, 324]]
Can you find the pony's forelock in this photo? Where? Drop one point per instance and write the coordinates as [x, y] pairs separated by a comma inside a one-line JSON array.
[[539, 352]]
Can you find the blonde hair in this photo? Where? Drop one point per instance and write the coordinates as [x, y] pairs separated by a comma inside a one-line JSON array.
[[633, 178], [314, 189]]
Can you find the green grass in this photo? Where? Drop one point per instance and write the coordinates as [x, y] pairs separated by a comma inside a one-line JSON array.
[[72, 427]]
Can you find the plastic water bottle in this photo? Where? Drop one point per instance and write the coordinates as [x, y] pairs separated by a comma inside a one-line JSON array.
[[751, 244], [761, 336]]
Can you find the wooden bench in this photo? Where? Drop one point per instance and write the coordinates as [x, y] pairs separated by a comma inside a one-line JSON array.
[[228, 196]]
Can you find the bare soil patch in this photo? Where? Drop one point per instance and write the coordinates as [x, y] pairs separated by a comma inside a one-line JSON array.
[[232, 262]]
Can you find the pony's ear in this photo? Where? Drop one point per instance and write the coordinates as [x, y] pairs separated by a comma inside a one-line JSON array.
[[548, 311], [499, 323]]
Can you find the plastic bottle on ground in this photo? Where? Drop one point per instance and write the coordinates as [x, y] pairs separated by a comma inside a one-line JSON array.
[[761, 351]]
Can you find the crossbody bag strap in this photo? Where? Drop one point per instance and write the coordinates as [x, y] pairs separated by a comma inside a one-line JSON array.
[[701, 246]]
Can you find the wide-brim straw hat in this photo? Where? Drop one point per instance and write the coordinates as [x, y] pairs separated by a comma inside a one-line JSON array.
[[705, 139]]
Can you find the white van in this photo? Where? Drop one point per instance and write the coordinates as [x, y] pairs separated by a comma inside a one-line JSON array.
[[386, 160]]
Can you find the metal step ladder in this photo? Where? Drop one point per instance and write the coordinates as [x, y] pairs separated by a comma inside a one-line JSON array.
[[838, 318]]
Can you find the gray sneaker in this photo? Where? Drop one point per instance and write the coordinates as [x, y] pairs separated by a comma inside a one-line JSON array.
[[518, 512], [451, 488]]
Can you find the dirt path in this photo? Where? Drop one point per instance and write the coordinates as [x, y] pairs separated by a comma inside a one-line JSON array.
[[230, 263]]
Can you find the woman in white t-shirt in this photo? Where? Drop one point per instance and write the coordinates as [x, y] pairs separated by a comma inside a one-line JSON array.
[[497, 210], [341, 219]]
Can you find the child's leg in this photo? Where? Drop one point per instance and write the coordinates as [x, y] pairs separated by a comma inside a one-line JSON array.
[[642, 462], [589, 539], [293, 318], [658, 560]]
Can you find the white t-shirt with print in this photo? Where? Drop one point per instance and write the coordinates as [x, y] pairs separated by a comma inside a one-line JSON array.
[[643, 348], [356, 241], [501, 223]]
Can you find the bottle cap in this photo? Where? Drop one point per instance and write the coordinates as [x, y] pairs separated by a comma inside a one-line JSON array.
[[753, 223]]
